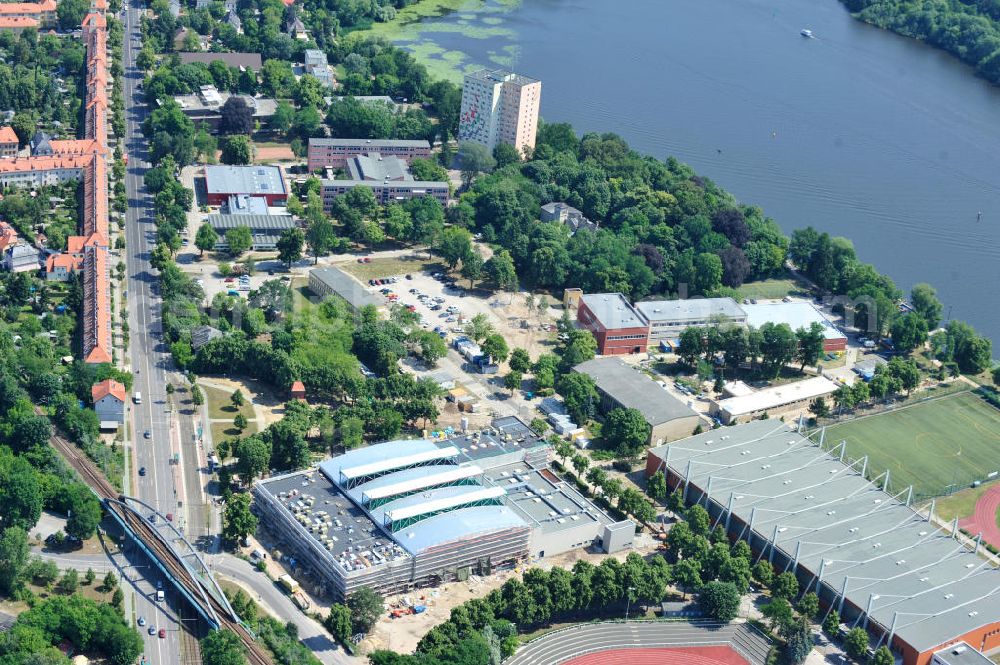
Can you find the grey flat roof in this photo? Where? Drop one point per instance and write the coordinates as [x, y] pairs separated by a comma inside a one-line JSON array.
[[807, 501], [370, 144], [356, 530], [446, 527], [408, 184], [373, 166], [243, 204], [501, 76], [246, 60], [504, 435], [795, 314], [656, 311], [962, 654], [613, 310], [255, 180], [345, 286], [368, 99], [543, 499], [634, 390], [253, 222]]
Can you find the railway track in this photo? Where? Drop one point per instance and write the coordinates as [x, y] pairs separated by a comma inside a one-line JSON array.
[[109, 495]]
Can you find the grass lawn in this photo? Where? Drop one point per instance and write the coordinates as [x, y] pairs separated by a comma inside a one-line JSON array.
[[960, 504], [390, 267], [222, 431], [932, 445], [220, 405], [771, 289]]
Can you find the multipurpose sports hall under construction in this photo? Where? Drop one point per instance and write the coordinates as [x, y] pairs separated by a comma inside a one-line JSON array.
[[416, 512], [867, 553]]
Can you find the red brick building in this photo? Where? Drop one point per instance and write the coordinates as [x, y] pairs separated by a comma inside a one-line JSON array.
[[617, 326]]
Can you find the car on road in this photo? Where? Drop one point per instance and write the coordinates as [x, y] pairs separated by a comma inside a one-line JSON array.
[[152, 630], [147, 435], [170, 517], [142, 471], [163, 633], [142, 621]]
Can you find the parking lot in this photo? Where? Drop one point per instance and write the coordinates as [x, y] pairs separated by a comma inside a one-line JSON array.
[[446, 303]]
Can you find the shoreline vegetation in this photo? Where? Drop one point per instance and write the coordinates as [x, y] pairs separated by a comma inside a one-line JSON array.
[[969, 31], [408, 30]]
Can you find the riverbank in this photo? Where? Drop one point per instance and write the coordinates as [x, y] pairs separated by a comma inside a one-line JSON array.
[[414, 30], [961, 30]]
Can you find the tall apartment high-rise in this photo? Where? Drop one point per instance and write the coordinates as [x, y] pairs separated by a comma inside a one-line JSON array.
[[499, 106]]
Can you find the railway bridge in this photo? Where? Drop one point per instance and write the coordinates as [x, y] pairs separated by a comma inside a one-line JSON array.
[[169, 551]]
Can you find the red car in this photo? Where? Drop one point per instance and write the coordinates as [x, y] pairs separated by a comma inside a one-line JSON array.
[[229, 280], [163, 633], [170, 517], [365, 259]]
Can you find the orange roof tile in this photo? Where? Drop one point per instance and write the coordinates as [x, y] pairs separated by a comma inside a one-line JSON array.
[[94, 20], [107, 387], [74, 146], [8, 135], [14, 22], [28, 8], [67, 261], [31, 164]]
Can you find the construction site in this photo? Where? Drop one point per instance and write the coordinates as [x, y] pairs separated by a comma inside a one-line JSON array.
[[413, 513]]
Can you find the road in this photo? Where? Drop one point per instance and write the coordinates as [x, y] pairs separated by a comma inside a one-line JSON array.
[[150, 364], [276, 602]]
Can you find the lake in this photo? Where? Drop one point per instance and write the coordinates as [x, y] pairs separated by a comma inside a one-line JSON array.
[[858, 132]]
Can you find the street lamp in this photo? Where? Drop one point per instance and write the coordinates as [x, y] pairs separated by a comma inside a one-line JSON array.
[[628, 600]]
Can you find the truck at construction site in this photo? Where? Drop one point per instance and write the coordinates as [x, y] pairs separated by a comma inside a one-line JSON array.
[[289, 584]]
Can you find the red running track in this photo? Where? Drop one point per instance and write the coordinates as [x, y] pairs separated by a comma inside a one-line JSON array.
[[984, 520], [671, 656]]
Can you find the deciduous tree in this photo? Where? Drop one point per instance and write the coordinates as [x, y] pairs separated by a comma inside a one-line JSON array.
[[237, 520]]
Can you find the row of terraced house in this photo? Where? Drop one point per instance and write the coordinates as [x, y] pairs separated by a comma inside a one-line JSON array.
[[55, 161]]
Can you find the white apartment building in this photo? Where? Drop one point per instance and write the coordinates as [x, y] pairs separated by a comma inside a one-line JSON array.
[[500, 107]]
